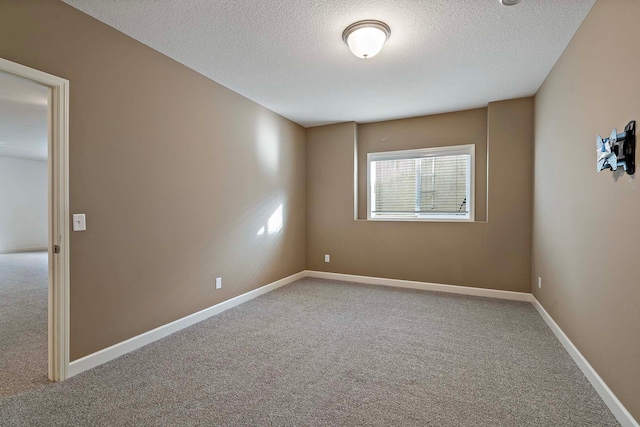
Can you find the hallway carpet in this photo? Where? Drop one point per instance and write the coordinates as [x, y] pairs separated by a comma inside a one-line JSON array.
[[23, 321], [317, 353]]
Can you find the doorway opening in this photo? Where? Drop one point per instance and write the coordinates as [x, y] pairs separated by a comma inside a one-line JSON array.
[[34, 231]]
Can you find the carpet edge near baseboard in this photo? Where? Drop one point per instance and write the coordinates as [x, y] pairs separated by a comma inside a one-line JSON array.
[[100, 357]]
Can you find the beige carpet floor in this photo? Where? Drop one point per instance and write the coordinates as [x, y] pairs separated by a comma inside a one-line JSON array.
[[320, 353], [23, 321]]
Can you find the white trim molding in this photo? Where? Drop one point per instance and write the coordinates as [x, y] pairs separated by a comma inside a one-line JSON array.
[[424, 286], [616, 407], [21, 250], [469, 149], [124, 347], [58, 200]]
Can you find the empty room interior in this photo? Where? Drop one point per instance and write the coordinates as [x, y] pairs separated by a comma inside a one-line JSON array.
[[310, 213], [23, 234]]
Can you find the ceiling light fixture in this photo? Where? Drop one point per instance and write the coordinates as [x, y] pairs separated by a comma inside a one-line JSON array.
[[509, 2], [366, 38]]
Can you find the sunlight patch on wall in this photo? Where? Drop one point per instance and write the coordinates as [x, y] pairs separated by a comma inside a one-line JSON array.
[[276, 221]]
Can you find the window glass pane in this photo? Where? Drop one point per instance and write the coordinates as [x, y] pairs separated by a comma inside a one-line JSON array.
[[417, 186], [395, 186], [444, 184]]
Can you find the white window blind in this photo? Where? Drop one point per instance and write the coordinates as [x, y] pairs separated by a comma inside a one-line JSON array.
[[426, 184]]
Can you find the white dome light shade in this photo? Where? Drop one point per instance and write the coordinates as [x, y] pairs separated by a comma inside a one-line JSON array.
[[366, 38], [366, 42]]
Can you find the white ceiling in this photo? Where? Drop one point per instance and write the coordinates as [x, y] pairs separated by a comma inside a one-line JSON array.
[[288, 55], [23, 118]]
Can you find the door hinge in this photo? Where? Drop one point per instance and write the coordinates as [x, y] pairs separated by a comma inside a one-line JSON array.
[[56, 249]]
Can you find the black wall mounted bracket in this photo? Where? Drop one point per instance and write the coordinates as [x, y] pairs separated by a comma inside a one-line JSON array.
[[619, 150]]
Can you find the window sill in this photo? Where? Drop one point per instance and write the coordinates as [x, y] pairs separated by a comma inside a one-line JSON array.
[[418, 220]]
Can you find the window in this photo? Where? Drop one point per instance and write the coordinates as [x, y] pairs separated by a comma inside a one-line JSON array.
[[426, 184]]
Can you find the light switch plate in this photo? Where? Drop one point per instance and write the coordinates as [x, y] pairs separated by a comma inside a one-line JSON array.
[[218, 282], [79, 222], [327, 258]]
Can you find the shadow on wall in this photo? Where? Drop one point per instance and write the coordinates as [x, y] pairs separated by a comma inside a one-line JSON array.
[[260, 229], [265, 218], [268, 138]]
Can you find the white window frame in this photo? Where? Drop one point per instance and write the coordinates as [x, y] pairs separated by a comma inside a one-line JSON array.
[[469, 149]]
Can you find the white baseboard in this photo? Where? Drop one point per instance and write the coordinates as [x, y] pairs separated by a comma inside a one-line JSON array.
[[615, 406], [452, 289], [98, 358], [16, 251]]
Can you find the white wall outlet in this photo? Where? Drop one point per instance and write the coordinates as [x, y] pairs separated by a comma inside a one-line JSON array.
[[218, 282], [79, 222], [539, 282], [327, 258]]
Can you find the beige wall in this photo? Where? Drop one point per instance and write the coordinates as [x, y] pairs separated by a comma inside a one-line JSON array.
[[587, 225], [175, 173], [494, 254]]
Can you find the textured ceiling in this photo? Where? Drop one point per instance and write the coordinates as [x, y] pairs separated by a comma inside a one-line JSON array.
[[23, 118], [288, 55]]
